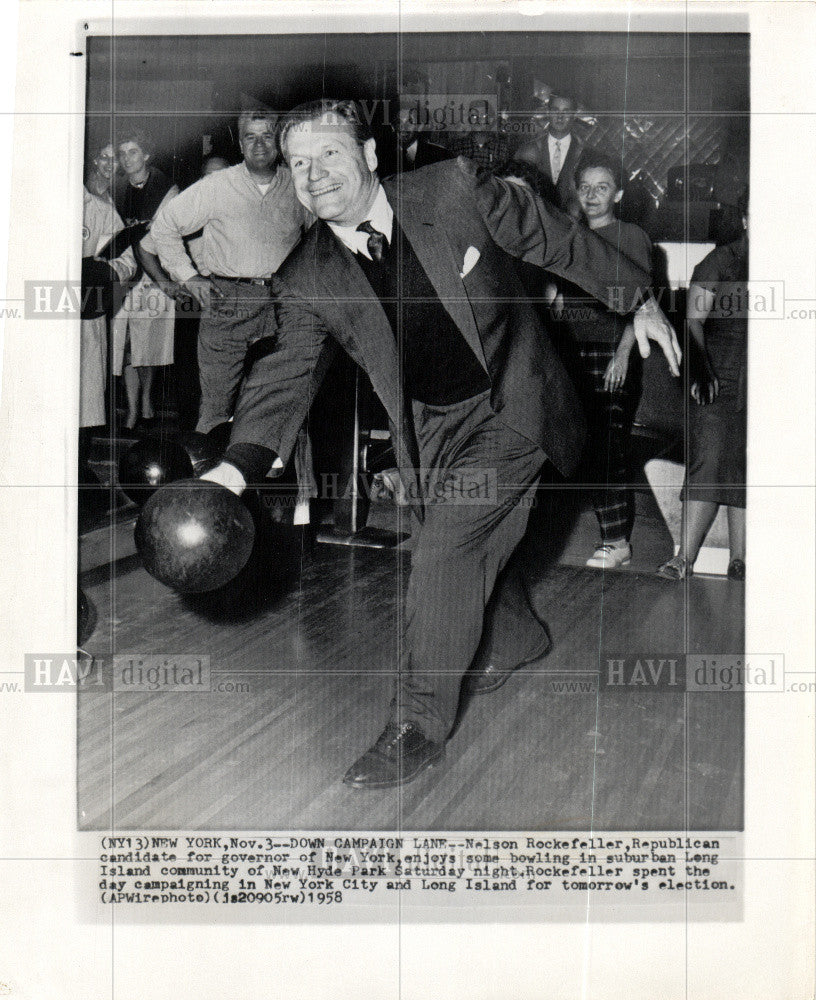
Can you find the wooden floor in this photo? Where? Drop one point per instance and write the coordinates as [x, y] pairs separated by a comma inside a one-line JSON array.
[[316, 641]]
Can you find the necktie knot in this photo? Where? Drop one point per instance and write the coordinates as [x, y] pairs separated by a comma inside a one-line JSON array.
[[376, 243]]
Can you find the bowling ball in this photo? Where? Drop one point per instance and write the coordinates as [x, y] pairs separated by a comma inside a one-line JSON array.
[[149, 464], [206, 450], [194, 536]]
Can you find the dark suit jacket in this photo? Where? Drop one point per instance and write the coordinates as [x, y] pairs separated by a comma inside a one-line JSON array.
[[324, 299], [392, 158], [427, 153], [537, 152]]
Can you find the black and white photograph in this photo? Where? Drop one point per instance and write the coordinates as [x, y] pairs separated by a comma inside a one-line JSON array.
[[410, 497], [408, 477]]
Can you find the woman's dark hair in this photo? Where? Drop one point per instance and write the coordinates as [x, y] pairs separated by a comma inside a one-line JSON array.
[[138, 136], [592, 158]]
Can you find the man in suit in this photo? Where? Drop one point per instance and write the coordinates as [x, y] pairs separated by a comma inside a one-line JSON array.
[[412, 278], [403, 144], [416, 150], [556, 152]]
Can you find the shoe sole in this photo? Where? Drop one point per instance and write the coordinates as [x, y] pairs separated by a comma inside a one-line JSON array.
[[600, 565], [364, 785]]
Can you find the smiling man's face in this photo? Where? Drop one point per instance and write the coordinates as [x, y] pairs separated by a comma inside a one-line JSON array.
[[333, 175], [257, 142]]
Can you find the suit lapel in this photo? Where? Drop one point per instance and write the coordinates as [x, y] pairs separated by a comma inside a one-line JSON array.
[[341, 280], [438, 255], [568, 168], [544, 146]]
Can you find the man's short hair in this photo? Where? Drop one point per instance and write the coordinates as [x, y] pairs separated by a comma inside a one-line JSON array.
[[139, 137], [347, 112], [256, 115], [563, 97], [592, 158]]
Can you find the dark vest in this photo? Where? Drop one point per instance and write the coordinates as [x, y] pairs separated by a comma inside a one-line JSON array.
[[438, 366]]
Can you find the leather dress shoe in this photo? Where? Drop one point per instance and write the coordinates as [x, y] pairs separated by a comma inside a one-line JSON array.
[[492, 676], [400, 754]]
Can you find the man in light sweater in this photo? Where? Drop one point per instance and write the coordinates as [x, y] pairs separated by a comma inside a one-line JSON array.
[[250, 220]]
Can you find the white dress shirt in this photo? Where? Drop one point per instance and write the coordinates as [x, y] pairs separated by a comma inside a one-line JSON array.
[[381, 217], [564, 149]]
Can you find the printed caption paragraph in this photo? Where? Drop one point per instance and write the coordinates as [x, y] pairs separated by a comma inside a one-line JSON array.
[[469, 869]]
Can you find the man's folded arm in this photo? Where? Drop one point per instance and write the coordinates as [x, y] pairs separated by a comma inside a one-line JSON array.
[[185, 214]]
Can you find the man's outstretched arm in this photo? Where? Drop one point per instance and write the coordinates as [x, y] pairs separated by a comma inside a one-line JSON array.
[[276, 396], [526, 226]]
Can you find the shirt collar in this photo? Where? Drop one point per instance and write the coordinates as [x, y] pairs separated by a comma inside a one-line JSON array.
[[250, 180], [565, 141], [381, 216]]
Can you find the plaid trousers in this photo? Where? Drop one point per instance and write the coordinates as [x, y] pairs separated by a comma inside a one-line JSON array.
[[609, 419]]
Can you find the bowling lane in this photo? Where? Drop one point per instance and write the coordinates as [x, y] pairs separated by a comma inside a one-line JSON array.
[[305, 670]]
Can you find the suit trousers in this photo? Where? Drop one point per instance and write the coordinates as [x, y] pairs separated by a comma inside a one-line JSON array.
[[479, 483]]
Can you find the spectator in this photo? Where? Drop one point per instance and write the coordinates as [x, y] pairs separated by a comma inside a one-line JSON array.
[[250, 220], [716, 472], [100, 176], [100, 222], [143, 328], [415, 149], [608, 387], [557, 151], [482, 143]]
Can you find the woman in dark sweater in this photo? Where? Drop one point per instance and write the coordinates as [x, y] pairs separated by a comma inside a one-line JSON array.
[[595, 345]]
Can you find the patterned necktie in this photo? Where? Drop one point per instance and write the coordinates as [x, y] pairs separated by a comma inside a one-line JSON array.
[[556, 163], [377, 243]]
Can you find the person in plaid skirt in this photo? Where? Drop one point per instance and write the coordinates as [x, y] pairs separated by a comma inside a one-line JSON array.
[[610, 384]]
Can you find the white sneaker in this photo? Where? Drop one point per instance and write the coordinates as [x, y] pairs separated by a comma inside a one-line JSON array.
[[611, 556]]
